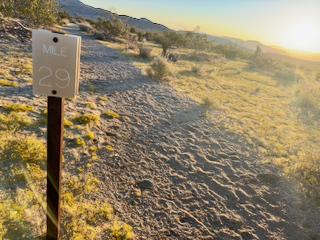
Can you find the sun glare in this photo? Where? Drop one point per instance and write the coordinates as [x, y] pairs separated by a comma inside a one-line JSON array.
[[303, 36]]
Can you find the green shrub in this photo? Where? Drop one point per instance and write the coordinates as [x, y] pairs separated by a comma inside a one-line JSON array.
[[36, 12], [121, 233], [91, 21], [63, 14], [114, 27], [89, 135], [110, 114], [230, 50], [268, 62], [103, 98], [80, 142], [17, 107], [133, 29], [109, 148], [14, 121], [67, 123], [160, 68], [80, 19], [8, 83], [86, 118]]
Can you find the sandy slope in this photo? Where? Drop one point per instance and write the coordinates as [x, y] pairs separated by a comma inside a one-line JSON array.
[[196, 183]]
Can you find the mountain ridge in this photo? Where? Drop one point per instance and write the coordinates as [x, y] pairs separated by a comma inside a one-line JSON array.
[[78, 8]]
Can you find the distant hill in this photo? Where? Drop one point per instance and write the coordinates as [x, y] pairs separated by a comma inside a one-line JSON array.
[[276, 51], [77, 8]]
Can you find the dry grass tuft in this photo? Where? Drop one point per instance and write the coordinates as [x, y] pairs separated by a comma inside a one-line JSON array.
[[145, 52], [87, 27], [199, 70], [160, 68]]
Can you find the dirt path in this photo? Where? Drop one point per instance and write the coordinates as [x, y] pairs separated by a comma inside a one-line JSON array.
[[194, 183]]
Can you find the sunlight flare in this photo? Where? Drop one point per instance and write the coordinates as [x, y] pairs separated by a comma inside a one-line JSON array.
[[303, 36]]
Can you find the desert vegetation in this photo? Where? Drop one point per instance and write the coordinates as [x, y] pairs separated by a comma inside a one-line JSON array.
[[269, 104], [23, 155]]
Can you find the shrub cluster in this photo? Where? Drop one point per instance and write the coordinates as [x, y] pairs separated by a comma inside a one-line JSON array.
[[36, 12]]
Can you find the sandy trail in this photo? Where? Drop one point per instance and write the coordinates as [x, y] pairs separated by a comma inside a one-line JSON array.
[[195, 182]]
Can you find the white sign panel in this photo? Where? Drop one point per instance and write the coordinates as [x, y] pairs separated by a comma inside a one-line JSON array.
[[56, 63]]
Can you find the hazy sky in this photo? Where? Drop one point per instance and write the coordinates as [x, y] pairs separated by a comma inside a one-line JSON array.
[[293, 24]]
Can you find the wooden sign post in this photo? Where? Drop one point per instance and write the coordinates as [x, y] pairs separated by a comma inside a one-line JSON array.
[[56, 65]]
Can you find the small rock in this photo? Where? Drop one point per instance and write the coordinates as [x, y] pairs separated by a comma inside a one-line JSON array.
[[172, 57]]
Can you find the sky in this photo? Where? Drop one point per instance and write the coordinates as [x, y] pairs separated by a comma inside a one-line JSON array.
[[292, 24]]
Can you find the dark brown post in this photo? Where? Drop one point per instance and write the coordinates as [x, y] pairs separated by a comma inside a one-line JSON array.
[[54, 165]]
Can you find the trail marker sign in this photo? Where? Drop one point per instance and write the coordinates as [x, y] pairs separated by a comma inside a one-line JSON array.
[[56, 63], [56, 66]]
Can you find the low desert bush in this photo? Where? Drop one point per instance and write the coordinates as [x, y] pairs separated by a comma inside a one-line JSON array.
[[208, 101], [132, 46], [103, 98], [133, 29], [86, 118], [17, 108], [307, 94], [8, 83], [230, 50], [89, 135], [199, 70], [100, 35], [201, 57], [67, 123], [110, 114], [91, 21], [288, 74], [14, 121], [160, 68], [86, 27], [80, 19], [145, 52]]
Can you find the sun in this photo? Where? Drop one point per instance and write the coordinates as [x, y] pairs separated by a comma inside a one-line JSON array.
[[303, 36]]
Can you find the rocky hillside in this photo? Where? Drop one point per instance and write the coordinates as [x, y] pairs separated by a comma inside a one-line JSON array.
[[77, 8]]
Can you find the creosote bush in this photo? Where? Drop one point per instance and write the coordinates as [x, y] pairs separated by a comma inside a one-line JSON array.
[[160, 68]]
